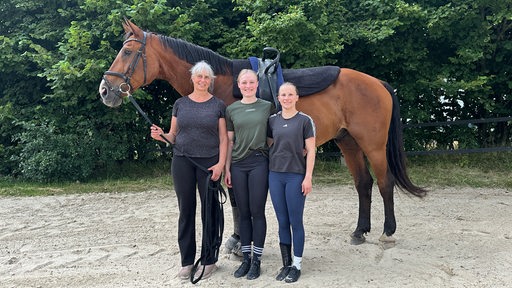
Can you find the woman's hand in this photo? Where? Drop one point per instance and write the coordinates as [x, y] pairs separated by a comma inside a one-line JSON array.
[[307, 185], [227, 179], [156, 132], [216, 171]]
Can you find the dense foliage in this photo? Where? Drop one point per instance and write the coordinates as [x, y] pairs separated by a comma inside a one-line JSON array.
[[449, 60]]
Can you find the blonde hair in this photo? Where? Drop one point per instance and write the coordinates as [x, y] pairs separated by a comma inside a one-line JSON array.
[[289, 84], [246, 71]]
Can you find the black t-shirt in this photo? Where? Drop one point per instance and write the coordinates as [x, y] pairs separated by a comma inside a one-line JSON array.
[[198, 127], [287, 152]]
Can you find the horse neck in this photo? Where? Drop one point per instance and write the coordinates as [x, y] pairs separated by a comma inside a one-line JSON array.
[[224, 88], [176, 71], [179, 78]]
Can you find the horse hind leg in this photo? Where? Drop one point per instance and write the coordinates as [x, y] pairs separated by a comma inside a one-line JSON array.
[[386, 191], [386, 183], [354, 158]]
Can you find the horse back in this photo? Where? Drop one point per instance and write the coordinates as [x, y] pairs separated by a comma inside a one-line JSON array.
[[355, 102]]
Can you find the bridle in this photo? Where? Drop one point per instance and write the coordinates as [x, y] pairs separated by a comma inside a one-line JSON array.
[[126, 87], [141, 53]]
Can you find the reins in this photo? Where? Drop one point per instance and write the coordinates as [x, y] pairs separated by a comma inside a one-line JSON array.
[[211, 245]]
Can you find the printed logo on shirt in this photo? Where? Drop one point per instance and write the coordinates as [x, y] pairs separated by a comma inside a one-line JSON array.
[[285, 125], [250, 110]]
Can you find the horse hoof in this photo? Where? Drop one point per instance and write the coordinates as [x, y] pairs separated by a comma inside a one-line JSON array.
[[357, 239], [387, 239]]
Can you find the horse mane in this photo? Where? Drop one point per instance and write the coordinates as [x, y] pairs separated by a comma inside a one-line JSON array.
[[193, 53]]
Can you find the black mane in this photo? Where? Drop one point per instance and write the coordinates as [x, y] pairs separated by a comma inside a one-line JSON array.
[[193, 53]]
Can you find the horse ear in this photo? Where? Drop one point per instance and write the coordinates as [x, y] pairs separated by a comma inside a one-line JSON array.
[[130, 27], [126, 25]]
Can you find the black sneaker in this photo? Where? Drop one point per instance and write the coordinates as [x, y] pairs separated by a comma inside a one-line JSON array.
[[283, 273], [243, 269], [254, 272], [293, 275]]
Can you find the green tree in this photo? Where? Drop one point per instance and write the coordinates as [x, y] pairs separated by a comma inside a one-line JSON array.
[[66, 46], [474, 73], [447, 59], [307, 33], [29, 33]]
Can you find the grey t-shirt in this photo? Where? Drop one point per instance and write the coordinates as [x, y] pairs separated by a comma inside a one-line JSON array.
[[287, 152], [198, 127]]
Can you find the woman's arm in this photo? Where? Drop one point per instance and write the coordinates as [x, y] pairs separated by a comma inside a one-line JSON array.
[[307, 184], [223, 147], [227, 171]]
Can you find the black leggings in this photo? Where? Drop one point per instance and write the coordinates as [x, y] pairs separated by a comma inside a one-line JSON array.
[[249, 178], [186, 177]]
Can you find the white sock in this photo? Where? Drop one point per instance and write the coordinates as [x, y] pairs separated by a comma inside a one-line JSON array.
[[297, 261]]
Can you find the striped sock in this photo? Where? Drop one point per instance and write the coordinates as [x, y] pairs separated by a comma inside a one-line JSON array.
[[246, 250], [257, 252]]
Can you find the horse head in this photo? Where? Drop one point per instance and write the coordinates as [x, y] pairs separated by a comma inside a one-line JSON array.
[[130, 69]]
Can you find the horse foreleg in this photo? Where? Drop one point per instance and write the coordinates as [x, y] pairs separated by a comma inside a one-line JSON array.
[[354, 158], [232, 244]]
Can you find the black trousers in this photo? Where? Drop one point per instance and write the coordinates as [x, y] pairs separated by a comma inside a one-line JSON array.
[[188, 178]]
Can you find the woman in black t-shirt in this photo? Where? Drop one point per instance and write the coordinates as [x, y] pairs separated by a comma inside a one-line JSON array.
[[292, 158], [198, 132]]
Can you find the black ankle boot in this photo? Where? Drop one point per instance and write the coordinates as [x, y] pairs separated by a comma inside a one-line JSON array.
[[283, 273], [243, 269], [254, 272], [293, 275], [286, 254]]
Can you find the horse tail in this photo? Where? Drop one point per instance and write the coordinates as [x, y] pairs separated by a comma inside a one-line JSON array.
[[395, 150]]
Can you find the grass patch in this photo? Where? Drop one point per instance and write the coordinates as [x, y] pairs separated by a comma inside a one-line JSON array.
[[20, 188], [489, 170], [486, 170], [332, 172], [128, 177]]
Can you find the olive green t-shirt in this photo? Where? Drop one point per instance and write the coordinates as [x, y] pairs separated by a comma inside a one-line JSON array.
[[249, 122]]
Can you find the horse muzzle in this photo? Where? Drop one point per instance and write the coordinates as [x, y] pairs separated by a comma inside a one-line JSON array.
[[110, 96]]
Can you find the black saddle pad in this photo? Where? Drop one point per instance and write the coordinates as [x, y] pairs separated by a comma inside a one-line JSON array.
[[311, 80], [308, 80]]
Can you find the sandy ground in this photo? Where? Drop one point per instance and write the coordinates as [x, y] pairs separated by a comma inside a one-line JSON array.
[[452, 238]]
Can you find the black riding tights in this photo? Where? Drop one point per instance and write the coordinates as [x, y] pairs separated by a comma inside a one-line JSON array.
[[249, 178]]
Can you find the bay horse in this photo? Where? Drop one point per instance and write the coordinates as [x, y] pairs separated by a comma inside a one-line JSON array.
[[359, 112]]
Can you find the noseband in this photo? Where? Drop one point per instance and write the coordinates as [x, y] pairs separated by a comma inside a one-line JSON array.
[[141, 53]]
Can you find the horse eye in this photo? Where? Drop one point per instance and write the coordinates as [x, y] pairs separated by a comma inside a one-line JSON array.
[[127, 52]]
